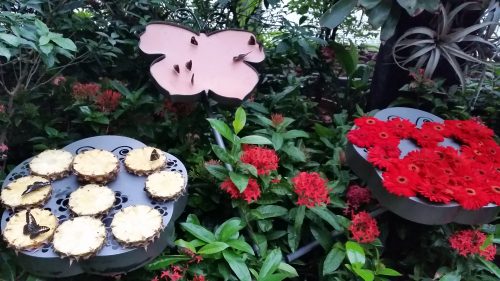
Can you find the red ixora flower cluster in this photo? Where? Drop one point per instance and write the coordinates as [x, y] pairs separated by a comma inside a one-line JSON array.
[[264, 160], [85, 91], [356, 196], [471, 242], [364, 228], [108, 101], [441, 174], [251, 192], [176, 272], [311, 188]]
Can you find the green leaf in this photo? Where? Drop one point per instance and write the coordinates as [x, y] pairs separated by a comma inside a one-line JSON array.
[[10, 39], [271, 263], [248, 168], [64, 43], [493, 268], [222, 154], [212, 248], [217, 171], [240, 120], [229, 229], [271, 211], [369, 4], [4, 52], [240, 180], [390, 24], [292, 134], [164, 262], [274, 277], [277, 140], [43, 40], [347, 57], [337, 13], [451, 276], [379, 13], [222, 128], [254, 139], [47, 48], [294, 153], [355, 254], [237, 265], [328, 216], [199, 232], [333, 260], [41, 27], [241, 246], [298, 220], [288, 269], [388, 272], [185, 244], [365, 274]]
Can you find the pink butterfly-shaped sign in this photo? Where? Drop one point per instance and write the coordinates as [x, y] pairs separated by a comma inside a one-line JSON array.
[[193, 63]]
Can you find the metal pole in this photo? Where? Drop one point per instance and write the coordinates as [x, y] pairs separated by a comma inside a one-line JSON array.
[[311, 246]]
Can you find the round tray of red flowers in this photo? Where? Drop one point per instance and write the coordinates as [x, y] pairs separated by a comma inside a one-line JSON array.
[[426, 169]]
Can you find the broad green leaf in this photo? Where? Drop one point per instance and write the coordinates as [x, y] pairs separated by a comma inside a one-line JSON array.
[[493, 268], [240, 120], [271, 211], [327, 215], [365, 274], [44, 39], [347, 57], [222, 154], [333, 260], [64, 43], [248, 168], [277, 140], [271, 263], [451, 276], [355, 254], [379, 13], [409, 5], [292, 134], [390, 24], [275, 277], [240, 180], [337, 13], [369, 4], [222, 128], [237, 265], [217, 171], [241, 246], [288, 269], [294, 153], [254, 139], [199, 232], [164, 262], [10, 39], [4, 52], [41, 27], [185, 244], [212, 248], [47, 48], [388, 272], [229, 229]]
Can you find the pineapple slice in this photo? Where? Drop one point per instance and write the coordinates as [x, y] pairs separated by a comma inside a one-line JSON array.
[[91, 200], [14, 230], [136, 226], [12, 195], [52, 164], [145, 161], [96, 166], [165, 185], [79, 238]]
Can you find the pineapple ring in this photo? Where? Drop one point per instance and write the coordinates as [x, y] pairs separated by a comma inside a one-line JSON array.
[[13, 232], [136, 225], [53, 164], [12, 195], [165, 185], [91, 200], [96, 166], [79, 238], [138, 161]]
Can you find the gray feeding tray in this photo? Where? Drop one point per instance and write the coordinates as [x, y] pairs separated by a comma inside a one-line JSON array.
[[413, 208], [112, 258]]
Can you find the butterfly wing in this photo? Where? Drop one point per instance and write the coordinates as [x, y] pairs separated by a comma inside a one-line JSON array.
[[39, 230]]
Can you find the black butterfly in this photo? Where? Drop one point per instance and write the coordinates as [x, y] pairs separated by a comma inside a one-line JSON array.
[[32, 227], [34, 186], [154, 155]]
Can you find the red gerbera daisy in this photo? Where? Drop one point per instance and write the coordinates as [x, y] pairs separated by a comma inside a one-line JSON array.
[[367, 121], [427, 138], [364, 228], [382, 156], [311, 188], [401, 182], [264, 160], [401, 127], [472, 196], [359, 137], [435, 128]]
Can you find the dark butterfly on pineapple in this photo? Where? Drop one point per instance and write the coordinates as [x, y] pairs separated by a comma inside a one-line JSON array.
[[154, 155], [35, 186], [32, 228]]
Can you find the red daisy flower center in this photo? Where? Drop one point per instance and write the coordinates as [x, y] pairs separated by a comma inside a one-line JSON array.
[[414, 168], [383, 135], [467, 178], [481, 172], [370, 121], [402, 179], [477, 152], [438, 128], [470, 191], [448, 171], [495, 188]]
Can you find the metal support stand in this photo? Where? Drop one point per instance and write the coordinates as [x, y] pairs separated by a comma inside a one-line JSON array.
[[311, 246]]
